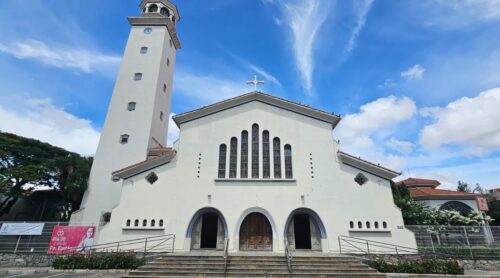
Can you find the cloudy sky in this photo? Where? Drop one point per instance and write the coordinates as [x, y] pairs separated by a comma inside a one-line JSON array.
[[416, 82]]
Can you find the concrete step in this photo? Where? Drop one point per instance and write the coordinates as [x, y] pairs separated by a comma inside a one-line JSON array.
[[201, 274]]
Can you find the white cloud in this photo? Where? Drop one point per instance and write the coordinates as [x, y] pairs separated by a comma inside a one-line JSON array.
[[365, 133], [173, 131], [362, 9], [40, 119], [376, 115], [404, 147], [65, 57], [207, 89], [414, 73], [469, 121], [265, 74], [304, 18], [388, 83], [459, 13]]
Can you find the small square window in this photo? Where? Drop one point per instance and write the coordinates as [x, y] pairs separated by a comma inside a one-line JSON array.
[[144, 50], [138, 76], [124, 138], [131, 106]]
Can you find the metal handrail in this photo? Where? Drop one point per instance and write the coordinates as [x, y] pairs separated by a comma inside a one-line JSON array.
[[225, 255], [288, 256], [137, 244]]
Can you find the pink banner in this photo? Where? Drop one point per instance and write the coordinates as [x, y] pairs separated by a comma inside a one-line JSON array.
[[71, 239]]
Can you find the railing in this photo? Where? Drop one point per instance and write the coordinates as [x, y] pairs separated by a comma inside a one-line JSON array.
[[354, 245], [288, 256], [225, 256]]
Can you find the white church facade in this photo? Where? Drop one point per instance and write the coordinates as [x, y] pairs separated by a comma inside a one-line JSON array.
[[257, 170]]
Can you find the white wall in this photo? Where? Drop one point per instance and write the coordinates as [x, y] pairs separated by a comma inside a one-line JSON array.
[[332, 193]]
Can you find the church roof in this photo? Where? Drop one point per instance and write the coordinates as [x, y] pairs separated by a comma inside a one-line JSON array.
[[413, 182], [156, 157], [367, 166], [440, 194], [261, 97]]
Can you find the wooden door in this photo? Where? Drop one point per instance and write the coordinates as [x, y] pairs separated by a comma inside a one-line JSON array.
[[256, 233]]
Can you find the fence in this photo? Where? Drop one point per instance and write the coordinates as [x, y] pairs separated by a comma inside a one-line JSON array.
[[29, 244], [459, 241]]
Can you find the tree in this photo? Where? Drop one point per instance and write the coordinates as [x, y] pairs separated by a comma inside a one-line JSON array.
[[28, 164], [463, 187]]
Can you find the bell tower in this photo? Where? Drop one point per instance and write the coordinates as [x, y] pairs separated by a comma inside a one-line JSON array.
[[138, 114]]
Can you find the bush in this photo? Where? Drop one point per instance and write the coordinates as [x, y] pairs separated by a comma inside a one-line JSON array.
[[418, 266], [100, 261]]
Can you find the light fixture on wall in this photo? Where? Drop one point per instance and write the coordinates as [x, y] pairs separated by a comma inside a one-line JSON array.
[[209, 198], [303, 199]]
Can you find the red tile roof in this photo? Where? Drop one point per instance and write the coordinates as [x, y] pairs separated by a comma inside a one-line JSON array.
[[423, 182], [423, 193]]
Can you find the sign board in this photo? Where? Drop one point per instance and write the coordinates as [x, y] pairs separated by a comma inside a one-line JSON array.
[[482, 203], [21, 229], [71, 239]]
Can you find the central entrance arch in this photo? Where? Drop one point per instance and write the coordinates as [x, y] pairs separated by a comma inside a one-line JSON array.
[[256, 233]]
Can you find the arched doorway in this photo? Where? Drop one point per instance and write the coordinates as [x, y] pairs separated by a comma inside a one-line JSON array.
[[207, 230], [256, 233], [304, 230]]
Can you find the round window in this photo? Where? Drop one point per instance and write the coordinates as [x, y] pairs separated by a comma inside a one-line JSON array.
[[148, 30]]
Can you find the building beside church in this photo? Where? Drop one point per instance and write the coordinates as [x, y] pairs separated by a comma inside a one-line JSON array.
[[256, 169], [425, 191]]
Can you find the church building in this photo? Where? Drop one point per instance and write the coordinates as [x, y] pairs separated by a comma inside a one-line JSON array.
[[256, 171]]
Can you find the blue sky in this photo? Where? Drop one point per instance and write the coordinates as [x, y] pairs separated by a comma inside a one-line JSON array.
[[416, 82]]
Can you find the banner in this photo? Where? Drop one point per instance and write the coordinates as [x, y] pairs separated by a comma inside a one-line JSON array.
[[482, 203], [71, 239], [21, 229]]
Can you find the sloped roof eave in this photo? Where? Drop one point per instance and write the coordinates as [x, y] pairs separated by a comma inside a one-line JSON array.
[[261, 97], [144, 166], [367, 166]]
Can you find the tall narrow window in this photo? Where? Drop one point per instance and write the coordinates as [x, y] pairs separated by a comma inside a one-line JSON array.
[[164, 88], [266, 168], [233, 157], [277, 158], [161, 116], [244, 155], [144, 50], [137, 76], [222, 161], [288, 162], [255, 151], [168, 62]]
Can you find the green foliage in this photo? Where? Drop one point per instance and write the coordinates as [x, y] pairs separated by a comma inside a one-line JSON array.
[[100, 261], [415, 213], [418, 266], [26, 164], [494, 206]]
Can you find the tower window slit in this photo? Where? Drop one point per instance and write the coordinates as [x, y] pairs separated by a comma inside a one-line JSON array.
[[137, 76], [266, 167], [288, 162], [277, 158], [244, 154], [222, 161], [233, 157], [255, 151]]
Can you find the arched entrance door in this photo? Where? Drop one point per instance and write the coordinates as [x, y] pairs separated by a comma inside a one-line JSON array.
[[303, 233], [256, 233], [208, 232]]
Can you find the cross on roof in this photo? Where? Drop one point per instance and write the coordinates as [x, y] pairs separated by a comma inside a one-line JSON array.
[[255, 82]]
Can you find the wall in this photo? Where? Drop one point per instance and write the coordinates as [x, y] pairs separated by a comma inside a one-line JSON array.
[[331, 192], [25, 260]]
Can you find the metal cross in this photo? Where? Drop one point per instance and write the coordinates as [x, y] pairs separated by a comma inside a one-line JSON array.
[[255, 82]]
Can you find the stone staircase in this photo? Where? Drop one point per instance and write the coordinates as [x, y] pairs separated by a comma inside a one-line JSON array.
[[240, 265]]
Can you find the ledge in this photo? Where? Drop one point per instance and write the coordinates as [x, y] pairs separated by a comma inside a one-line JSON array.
[[369, 231], [256, 180], [144, 228]]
